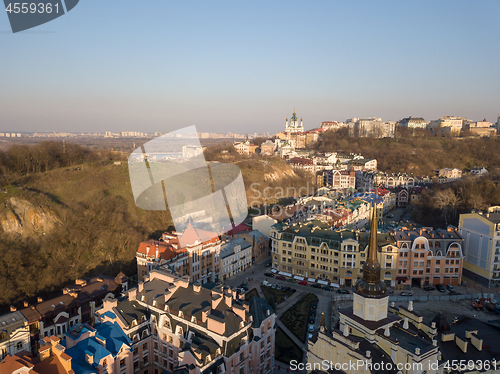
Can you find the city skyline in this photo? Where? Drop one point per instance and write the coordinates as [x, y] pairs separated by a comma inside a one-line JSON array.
[[234, 67]]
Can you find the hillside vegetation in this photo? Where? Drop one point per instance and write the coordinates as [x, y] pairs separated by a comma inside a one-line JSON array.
[[69, 212]]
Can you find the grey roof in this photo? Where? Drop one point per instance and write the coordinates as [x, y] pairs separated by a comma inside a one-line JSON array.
[[259, 309], [227, 249], [486, 331], [9, 323]]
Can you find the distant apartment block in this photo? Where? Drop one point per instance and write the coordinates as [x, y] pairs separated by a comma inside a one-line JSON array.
[[413, 123], [199, 260], [481, 233], [480, 128], [447, 126], [340, 179], [175, 324], [448, 175], [245, 148], [267, 148], [429, 257], [371, 127], [367, 180], [314, 250]]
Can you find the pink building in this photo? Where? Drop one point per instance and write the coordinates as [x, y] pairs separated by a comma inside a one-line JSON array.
[[428, 256]]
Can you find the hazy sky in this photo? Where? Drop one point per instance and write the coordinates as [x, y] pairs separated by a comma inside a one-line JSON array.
[[243, 66]]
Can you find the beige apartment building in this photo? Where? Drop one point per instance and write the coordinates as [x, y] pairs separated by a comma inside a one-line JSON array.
[[481, 233], [314, 250]]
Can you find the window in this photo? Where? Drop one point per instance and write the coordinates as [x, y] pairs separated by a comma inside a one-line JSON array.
[[122, 362], [145, 347], [104, 362], [19, 345]]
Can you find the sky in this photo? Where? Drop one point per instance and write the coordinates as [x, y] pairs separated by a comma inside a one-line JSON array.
[[244, 66]]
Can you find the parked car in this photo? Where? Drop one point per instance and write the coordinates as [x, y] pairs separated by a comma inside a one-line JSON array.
[[405, 294], [311, 320], [269, 275], [440, 288], [309, 336], [342, 291], [304, 283], [279, 287], [281, 277], [314, 305], [450, 288], [328, 288], [454, 293], [313, 313], [429, 288], [244, 287], [311, 328], [268, 264], [315, 285], [291, 280]]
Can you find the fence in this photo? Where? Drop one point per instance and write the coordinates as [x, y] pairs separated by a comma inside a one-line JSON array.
[[424, 298]]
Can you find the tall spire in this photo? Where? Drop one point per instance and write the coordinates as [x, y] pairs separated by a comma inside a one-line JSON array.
[[371, 285], [373, 247], [322, 324]]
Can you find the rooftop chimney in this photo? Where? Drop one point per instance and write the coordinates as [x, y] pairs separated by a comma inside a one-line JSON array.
[[405, 324], [26, 304], [13, 308], [39, 299], [410, 306]]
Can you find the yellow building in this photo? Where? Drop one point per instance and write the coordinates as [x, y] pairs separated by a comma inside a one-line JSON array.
[[370, 338], [481, 234], [314, 250]]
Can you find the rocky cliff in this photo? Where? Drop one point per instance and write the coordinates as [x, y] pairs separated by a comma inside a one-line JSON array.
[[23, 218]]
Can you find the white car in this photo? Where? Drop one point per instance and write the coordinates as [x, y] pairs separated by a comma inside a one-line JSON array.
[[311, 328]]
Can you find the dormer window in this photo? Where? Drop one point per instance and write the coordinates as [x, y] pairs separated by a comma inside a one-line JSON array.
[[193, 319], [134, 322], [167, 324], [104, 362]]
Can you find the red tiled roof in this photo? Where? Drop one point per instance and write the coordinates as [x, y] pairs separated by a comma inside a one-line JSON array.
[[301, 161], [165, 250], [240, 228]]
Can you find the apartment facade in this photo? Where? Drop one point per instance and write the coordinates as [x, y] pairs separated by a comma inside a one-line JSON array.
[[413, 123], [194, 253], [14, 334], [235, 257], [429, 257], [258, 241], [200, 329], [367, 180], [481, 233], [314, 250], [340, 179], [267, 148]]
